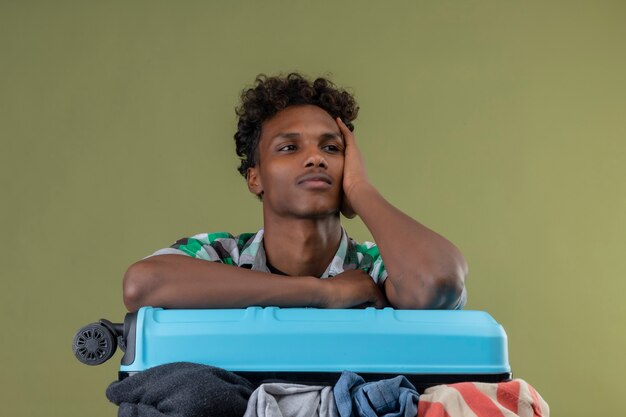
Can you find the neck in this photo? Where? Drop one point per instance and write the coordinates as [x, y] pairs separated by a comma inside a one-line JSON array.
[[301, 247]]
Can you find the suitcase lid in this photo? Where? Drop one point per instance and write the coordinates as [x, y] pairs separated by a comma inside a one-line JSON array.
[[274, 339]]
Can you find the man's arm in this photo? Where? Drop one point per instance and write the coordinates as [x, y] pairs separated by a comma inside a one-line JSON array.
[[424, 269], [179, 281]]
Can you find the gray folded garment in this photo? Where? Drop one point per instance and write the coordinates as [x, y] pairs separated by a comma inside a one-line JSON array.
[[292, 400], [181, 389]]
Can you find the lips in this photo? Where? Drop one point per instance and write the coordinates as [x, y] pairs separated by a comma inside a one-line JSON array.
[[315, 178], [315, 181]]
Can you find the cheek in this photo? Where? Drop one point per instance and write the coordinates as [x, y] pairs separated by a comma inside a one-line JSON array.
[[276, 178], [338, 168]]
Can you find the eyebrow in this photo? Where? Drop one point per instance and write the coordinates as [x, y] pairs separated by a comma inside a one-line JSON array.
[[296, 135]]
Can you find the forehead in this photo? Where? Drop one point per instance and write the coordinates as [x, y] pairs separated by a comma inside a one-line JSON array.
[[299, 119]]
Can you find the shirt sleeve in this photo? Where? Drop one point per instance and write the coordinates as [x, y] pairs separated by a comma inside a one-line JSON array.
[[370, 261], [207, 246]]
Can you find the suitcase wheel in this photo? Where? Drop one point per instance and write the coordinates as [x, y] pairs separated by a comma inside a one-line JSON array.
[[94, 344]]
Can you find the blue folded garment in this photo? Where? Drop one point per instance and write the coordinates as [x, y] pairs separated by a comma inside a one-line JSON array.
[[395, 397]]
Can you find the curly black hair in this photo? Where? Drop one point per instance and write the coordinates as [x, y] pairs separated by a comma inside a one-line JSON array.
[[273, 94]]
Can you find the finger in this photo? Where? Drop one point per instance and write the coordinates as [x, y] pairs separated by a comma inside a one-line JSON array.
[[379, 303], [345, 132], [341, 124]]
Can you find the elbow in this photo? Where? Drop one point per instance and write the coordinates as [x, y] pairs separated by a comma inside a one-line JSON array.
[[429, 292], [447, 291], [136, 285], [451, 287], [448, 286], [436, 286]]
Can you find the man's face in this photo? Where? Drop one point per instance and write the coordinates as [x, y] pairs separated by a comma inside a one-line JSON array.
[[300, 169]]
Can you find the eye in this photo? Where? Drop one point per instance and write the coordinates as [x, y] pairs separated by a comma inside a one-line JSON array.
[[332, 148], [287, 148]]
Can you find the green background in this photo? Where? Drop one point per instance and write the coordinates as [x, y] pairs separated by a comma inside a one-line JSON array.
[[499, 124]]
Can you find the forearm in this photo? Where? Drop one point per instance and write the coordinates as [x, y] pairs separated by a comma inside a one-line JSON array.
[[425, 269], [177, 281]]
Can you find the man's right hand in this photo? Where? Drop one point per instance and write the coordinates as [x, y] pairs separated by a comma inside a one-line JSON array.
[[352, 288]]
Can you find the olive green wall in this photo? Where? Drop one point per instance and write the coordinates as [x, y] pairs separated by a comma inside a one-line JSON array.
[[499, 124]]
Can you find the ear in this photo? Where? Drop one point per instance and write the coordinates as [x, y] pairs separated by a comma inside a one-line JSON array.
[[254, 181]]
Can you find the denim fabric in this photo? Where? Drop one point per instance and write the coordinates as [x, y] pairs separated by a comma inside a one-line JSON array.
[[395, 397]]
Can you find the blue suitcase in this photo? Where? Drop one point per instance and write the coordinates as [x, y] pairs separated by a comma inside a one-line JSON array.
[[308, 345]]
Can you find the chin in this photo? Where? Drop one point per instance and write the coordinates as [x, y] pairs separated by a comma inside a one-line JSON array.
[[317, 212]]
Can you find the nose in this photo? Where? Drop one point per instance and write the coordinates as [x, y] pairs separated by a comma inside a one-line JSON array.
[[315, 158]]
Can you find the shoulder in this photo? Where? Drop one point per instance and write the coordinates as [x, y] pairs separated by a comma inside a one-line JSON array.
[[214, 238], [213, 246]]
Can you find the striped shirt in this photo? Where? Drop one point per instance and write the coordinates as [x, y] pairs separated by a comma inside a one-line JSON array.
[[246, 250], [515, 398]]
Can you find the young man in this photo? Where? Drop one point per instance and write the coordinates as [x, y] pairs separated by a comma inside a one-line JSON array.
[[300, 157]]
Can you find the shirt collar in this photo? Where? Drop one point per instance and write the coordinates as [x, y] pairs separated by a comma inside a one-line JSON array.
[[253, 255]]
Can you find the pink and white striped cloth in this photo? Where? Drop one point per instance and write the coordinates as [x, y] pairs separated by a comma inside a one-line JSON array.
[[477, 399]]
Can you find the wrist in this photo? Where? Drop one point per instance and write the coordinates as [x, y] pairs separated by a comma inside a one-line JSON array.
[[360, 190], [318, 292]]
